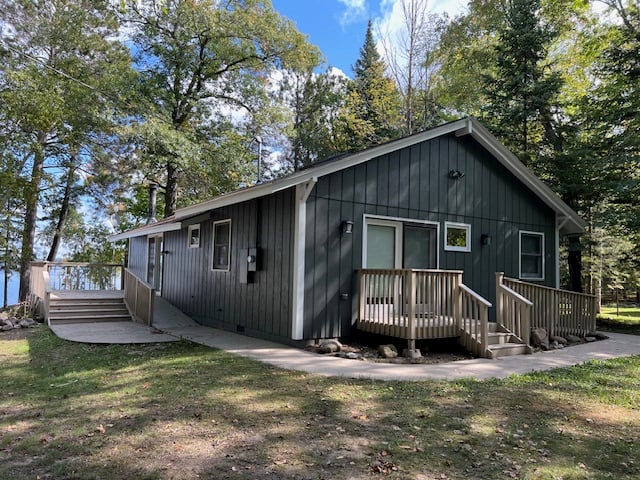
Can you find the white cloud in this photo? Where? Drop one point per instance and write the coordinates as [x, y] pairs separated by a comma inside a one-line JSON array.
[[355, 11]]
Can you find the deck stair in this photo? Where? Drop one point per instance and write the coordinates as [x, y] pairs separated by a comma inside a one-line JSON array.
[[503, 343], [87, 310]]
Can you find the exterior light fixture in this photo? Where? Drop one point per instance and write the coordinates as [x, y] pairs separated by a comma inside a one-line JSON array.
[[347, 227], [456, 174], [485, 239]]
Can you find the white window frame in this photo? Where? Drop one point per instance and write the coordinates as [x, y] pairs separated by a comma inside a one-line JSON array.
[[542, 255], [191, 228], [398, 223], [458, 226], [213, 246]]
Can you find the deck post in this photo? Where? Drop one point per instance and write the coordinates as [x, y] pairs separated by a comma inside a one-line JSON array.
[[362, 298], [499, 299], [412, 309]]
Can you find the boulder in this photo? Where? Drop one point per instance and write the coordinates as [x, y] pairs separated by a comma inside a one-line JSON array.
[[560, 340], [599, 335], [5, 328], [590, 339], [573, 339], [388, 351], [539, 338], [330, 346], [27, 323]]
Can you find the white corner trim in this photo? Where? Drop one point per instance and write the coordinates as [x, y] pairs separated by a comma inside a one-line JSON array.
[[303, 191]]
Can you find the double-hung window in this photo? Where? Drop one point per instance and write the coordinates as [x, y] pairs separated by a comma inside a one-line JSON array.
[[194, 236], [221, 245], [531, 255]]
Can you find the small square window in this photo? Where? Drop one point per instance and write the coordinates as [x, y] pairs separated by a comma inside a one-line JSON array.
[[194, 236], [457, 237], [221, 245], [531, 255]]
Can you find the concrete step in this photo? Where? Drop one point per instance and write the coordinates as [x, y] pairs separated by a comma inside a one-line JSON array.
[[508, 349]]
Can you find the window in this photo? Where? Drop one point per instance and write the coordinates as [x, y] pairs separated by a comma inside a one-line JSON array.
[[221, 245], [194, 236], [457, 237], [531, 255]]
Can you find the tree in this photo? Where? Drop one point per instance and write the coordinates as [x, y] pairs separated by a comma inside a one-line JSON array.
[[410, 53], [371, 114], [195, 53], [62, 61], [315, 101]]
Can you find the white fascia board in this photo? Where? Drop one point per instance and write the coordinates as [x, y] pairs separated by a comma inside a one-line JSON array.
[[146, 230], [575, 224]]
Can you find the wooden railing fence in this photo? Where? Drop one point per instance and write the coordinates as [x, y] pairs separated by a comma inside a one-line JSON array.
[[559, 312], [139, 297], [421, 304], [513, 311], [85, 276]]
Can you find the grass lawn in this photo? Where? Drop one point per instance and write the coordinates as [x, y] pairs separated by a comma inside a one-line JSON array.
[[628, 318], [185, 411]]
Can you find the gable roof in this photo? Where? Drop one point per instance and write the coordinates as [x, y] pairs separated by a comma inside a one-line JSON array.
[[569, 220]]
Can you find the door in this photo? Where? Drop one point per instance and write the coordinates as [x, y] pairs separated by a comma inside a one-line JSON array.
[[394, 244], [154, 263]]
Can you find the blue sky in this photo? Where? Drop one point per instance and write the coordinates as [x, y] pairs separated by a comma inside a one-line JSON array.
[[337, 27]]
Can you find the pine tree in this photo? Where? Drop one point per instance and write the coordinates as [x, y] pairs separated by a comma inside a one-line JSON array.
[[372, 112], [522, 92]]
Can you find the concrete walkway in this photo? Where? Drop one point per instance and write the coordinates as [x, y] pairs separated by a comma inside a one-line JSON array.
[[176, 325]]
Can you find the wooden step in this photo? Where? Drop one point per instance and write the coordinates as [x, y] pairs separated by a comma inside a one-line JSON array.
[[84, 312], [95, 318], [500, 338], [96, 303], [508, 349]]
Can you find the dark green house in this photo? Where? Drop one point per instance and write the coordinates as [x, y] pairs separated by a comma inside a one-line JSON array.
[[288, 259]]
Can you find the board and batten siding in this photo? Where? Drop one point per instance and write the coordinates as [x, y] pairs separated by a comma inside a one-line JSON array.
[[137, 260], [220, 298], [414, 183]]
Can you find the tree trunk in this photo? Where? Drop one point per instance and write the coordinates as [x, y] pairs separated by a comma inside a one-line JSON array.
[[32, 194], [171, 191], [575, 264], [64, 211]]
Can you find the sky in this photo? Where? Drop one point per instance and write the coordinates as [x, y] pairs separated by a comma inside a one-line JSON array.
[[338, 27]]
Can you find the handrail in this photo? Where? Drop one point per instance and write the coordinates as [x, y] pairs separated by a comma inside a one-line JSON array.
[[513, 310], [472, 314], [84, 275], [139, 297], [559, 312]]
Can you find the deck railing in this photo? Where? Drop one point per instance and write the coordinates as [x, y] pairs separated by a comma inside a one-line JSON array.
[[473, 321], [421, 304], [40, 291], [139, 297], [559, 312], [513, 311], [84, 276]]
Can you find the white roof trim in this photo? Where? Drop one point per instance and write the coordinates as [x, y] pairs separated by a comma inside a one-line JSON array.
[[466, 126], [147, 230]]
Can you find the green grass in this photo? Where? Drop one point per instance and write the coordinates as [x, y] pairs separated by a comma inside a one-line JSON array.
[[182, 411], [623, 318]]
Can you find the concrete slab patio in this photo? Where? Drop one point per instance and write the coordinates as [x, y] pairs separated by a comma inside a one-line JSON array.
[[174, 325]]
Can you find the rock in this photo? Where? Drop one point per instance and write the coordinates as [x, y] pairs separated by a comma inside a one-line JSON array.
[[539, 338], [330, 346], [5, 321], [351, 355], [599, 335], [560, 340], [590, 339], [26, 323], [5, 328], [407, 353], [573, 339], [388, 351]]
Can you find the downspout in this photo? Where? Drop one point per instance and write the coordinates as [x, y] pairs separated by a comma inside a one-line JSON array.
[[299, 243]]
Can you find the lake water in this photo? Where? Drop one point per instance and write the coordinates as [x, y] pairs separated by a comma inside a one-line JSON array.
[[14, 287]]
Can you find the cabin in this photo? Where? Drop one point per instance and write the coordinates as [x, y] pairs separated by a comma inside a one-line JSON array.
[[442, 234]]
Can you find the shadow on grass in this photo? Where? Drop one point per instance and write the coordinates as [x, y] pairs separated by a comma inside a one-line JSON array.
[[186, 411]]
